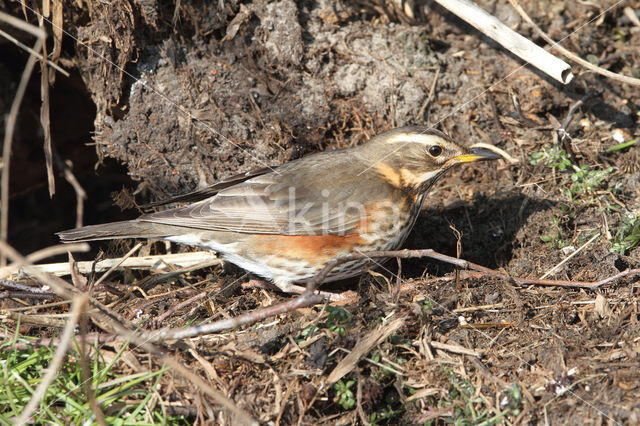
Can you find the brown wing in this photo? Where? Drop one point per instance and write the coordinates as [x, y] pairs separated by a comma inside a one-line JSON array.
[[212, 190], [318, 194]]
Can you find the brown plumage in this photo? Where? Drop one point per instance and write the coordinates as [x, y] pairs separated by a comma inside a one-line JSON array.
[[286, 223]]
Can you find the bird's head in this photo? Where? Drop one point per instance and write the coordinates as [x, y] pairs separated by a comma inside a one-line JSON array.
[[413, 158]]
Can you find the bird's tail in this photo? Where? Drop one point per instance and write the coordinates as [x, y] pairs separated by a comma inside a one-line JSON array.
[[114, 230]]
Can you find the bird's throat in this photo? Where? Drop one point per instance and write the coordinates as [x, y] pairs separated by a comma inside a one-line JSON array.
[[423, 187]]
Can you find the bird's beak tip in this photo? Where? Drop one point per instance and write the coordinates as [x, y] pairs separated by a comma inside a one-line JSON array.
[[477, 154]]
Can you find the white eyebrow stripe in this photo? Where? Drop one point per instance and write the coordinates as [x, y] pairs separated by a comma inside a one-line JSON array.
[[425, 139]]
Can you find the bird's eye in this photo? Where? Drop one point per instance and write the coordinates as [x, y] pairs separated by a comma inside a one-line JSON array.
[[435, 150]]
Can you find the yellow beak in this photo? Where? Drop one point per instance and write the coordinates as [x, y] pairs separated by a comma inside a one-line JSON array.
[[477, 154]]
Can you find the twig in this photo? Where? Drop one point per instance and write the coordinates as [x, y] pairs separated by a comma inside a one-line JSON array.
[[496, 116], [302, 301], [86, 371], [566, 259], [22, 25], [569, 117], [33, 319], [43, 254], [519, 115], [45, 121], [10, 125], [562, 129], [179, 306], [456, 349], [504, 154], [432, 90], [361, 414], [525, 49], [25, 288], [110, 270], [15, 41], [81, 194], [98, 338], [28, 295], [185, 260], [405, 254], [482, 369], [570, 55]]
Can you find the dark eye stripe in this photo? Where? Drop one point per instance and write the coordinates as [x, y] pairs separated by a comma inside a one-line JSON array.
[[435, 150]]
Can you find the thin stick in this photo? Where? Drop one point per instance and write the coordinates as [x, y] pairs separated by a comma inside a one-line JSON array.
[[184, 260], [427, 101], [15, 41], [525, 49], [81, 194], [571, 55], [110, 270], [27, 295], [22, 25], [98, 338], [456, 349], [572, 109], [61, 287], [179, 306], [405, 254], [302, 301], [37, 256], [566, 259], [496, 116], [45, 122], [79, 304], [501, 152], [8, 139], [25, 288]]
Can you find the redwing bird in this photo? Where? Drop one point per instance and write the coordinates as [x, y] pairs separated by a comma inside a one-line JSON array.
[[286, 223]]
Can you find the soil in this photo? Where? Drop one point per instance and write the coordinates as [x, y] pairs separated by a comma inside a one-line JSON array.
[[163, 100]]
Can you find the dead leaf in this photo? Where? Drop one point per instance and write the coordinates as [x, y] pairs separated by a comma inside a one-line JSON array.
[[602, 306]]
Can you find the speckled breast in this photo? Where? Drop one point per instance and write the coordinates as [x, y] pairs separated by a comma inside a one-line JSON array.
[[388, 226]]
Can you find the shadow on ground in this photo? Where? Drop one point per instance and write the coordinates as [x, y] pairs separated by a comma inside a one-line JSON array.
[[487, 227]]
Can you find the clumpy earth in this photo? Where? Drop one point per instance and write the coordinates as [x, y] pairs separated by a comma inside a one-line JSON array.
[[182, 96]]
